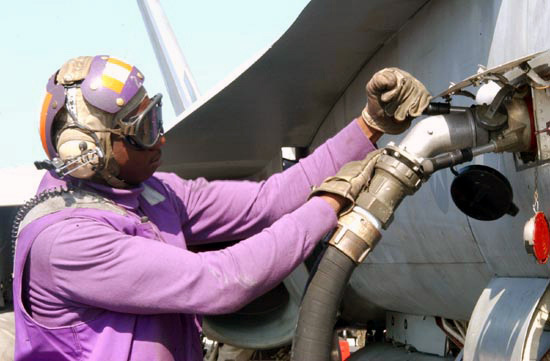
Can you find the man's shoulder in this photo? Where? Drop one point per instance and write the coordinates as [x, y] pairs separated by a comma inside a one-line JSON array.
[[164, 177], [56, 205], [174, 187], [163, 182], [171, 181]]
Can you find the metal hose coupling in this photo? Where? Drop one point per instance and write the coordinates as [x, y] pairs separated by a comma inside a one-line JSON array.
[[357, 234], [396, 175]]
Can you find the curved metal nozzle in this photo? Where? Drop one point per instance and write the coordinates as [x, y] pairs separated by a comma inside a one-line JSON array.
[[443, 133]]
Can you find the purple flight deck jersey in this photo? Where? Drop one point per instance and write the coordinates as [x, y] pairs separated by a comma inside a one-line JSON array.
[[96, 285]]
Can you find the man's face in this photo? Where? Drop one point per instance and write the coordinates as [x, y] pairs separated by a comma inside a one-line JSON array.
[[136, 165]]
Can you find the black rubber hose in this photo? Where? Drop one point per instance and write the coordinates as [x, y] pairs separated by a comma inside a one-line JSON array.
[[314, 333], [450, 159], [435, 108]]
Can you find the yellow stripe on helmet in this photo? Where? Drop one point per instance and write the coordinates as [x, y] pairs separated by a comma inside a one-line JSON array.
[[112, 83], [120, 63]]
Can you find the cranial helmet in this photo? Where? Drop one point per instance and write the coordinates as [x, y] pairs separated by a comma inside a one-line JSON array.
[[87, 100]]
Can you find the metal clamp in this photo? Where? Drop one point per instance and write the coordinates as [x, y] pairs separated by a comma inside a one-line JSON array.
[[357, 234]]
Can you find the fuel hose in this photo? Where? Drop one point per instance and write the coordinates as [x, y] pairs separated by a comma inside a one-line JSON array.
[[391, 178], [315, 330]]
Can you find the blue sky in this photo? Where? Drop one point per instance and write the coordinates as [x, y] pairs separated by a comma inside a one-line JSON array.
[[216, 36]]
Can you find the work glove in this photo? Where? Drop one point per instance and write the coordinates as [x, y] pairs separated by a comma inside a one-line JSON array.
[[394, 98], [350, 180]]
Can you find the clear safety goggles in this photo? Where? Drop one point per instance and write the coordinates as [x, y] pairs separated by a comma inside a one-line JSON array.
[[144, 128]]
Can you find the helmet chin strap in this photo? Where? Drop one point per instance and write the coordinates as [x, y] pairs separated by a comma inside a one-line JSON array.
[[110, 170], [112, 180]]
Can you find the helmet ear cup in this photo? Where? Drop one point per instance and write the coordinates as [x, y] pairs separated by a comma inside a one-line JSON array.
[[71, 144]]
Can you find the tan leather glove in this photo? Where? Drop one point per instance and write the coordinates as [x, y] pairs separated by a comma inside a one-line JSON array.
[[350, 180], [394, 98]]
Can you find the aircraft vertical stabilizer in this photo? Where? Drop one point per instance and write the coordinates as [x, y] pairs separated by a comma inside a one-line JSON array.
[[179, 81]]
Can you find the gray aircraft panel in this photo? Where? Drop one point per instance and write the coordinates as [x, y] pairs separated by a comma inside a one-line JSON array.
[[436, 289]]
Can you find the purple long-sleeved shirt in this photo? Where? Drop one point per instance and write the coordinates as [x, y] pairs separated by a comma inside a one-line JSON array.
[[104, 286]]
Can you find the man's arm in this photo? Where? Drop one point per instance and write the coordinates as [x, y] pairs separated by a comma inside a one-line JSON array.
[[371, 133], [91, 263]]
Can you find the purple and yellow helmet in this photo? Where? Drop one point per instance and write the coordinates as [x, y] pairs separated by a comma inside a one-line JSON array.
[[89, 99], [106, 83]]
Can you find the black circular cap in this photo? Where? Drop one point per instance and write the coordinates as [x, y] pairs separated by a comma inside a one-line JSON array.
[[483, 193]]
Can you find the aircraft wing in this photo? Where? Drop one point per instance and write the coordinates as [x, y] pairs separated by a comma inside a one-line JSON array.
[[281, 98]]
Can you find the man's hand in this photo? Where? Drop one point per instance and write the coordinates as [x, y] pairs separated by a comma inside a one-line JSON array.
[[394, 98], [344, 187], [335, 201]]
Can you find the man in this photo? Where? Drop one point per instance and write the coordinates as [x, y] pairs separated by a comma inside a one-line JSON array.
[[102, 270]]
